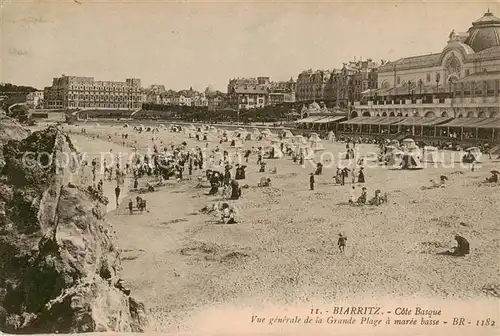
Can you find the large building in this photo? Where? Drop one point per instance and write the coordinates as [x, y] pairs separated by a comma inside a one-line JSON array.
[[311, 85], [345, 86], [35, 99], [85, 92], [249, 93], [463, 80]]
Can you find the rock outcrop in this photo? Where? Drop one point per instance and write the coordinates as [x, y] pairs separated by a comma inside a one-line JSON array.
[[10, 130], [59, 268]]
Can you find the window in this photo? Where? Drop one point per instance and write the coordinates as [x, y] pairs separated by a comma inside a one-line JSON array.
[[428, 77], [467, 72]]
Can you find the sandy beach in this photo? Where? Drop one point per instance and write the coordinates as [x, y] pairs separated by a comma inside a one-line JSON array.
[[283, 250]]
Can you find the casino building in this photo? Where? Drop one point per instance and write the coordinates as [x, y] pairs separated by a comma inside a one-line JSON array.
[[460, 82]]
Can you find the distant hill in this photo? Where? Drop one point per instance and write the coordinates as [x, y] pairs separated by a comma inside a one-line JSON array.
[[11, 88]]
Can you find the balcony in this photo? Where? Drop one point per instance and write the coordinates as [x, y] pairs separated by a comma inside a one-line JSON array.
[[406, 103]]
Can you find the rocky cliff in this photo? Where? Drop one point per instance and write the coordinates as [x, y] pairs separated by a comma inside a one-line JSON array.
[[59, 267], [10, 130]]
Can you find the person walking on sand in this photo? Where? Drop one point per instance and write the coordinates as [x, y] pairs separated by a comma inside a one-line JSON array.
[[361, 176], [341, 242], [311, 181], [117, 194], [131, 206]]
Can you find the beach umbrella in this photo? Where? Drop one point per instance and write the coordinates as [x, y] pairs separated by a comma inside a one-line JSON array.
[[495, 172], [442, 177]]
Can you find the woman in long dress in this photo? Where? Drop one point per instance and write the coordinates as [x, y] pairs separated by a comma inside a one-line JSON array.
[[361, 176]]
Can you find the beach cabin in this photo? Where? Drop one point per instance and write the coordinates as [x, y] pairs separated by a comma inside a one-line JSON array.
[[430, 154]]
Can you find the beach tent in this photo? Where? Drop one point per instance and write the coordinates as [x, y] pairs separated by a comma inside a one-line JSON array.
[[287, 134], [299, 140], [267, 132], [410, 162], [472, 154], [125, 126], [274, 141], [407, 142], [306, 151], [317, 146], [393, 156], [314, 137], [315, 141], [242, 134], [205, 136], [431, 154], [238, 143]]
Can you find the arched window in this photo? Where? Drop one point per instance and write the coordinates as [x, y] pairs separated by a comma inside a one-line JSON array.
[[384, 114], [354, 114], [493, 114], [481, 114], [366, 114], [470, 114], [430, 114], [444, 114], [391, 114]]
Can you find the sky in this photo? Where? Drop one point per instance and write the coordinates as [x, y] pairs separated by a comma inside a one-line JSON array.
[[196, 44]]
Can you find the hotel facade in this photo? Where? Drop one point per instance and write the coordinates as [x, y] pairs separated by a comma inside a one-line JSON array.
[[86, 92], [463, 80]]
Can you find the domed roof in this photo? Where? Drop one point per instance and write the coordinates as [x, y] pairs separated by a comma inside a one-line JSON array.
[[484, 33]]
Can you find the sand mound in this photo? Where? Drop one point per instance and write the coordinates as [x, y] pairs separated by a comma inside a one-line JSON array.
[[58, 261]]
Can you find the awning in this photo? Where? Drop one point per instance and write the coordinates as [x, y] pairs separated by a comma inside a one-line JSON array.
[[489, 123], [357, 120], [389, 120], [309, 119], [464, 122], [373, 120], [423, 121], [329, 119]]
